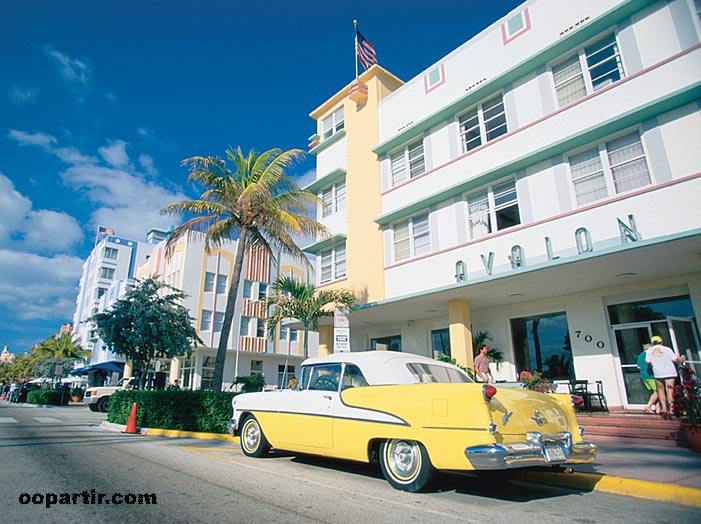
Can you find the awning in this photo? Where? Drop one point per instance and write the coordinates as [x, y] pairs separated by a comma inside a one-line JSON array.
[[101, 366]]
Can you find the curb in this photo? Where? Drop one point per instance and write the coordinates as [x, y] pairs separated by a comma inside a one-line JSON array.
[[642, 489], [171, 433]]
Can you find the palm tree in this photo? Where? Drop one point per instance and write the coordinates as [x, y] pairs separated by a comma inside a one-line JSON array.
[[302, 301], [65, 345], [254, 199]]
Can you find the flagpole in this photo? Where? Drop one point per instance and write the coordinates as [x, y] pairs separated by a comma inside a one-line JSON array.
[[355, 49]]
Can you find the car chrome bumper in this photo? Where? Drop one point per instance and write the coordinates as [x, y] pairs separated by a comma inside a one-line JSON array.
[[231, 427], [536, 450]]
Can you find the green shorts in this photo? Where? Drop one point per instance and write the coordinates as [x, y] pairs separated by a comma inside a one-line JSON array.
[[650, 384]]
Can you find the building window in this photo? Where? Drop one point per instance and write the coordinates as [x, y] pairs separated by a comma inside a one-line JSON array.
[[221, 284], [408, 162], [262, 290], [107, 272], [412, 237], [257, 367], [218, 321], [209, 282], [293, 335], [484, 123], [284, 376], [614, 167], [334, 198], [493, 209], [110, 253], [207, 373], [391, 343], [187, 374], [206, 320], [542, 343], [245, 326], [247, 289], [101, 291], [440, 343], [332, 124], [333, 263], [592, 68], [260, 328]]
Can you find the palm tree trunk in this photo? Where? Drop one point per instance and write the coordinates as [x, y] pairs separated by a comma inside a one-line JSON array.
[[220, 360]]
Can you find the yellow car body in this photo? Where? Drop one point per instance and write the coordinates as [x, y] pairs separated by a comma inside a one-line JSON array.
[[397, 414]]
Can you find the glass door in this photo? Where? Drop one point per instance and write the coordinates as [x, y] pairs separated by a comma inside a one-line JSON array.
[[685, 340], [630, 339]]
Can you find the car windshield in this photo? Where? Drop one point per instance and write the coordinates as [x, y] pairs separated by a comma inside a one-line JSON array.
[[425, 373]]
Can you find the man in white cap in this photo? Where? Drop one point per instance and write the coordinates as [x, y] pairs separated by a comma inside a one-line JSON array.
[[662, 359]]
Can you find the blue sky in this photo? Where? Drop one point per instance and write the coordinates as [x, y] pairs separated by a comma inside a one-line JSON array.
[[101, 100]]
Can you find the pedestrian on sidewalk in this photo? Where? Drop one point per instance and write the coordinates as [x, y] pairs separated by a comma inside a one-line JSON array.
[[663, 359], [482, 365], [648, 379]]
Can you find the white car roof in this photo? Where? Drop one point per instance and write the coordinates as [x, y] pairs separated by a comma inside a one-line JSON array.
[[379, 367]]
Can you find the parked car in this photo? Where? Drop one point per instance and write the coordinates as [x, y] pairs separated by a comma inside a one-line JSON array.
[[97, 398], [412, 414], [20, 394]]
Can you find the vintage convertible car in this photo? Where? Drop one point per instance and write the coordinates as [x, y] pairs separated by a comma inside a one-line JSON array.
[[414, 415]]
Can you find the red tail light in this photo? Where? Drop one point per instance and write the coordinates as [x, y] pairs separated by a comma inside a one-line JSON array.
[[488, 391]]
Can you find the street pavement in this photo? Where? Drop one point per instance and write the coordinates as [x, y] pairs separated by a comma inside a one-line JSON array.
[[669, 474]]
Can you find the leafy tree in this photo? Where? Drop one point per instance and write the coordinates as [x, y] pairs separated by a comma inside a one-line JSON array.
[[21, 367], [303, 302], [45, 367], [147, 324], [252, 383], [253, 198], [66, 345]]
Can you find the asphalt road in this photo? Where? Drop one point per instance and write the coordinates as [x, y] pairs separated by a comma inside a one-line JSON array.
[[49, 454]]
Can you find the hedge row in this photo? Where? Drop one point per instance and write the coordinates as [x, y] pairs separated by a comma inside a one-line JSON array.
[[205, 411], [47, 396]]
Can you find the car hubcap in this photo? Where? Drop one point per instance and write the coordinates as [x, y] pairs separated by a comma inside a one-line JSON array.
[[251, 436], [404, 459]]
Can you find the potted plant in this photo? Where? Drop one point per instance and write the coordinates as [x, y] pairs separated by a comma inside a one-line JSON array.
[[77, 394], [687, 405], [536, 382]]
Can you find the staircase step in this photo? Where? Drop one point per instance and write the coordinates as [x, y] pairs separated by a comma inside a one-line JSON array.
[[631, 428]]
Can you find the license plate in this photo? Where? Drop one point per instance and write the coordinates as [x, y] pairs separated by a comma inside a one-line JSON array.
[[555, 453]]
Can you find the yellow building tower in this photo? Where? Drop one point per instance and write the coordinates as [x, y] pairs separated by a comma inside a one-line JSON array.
[[348, 181]]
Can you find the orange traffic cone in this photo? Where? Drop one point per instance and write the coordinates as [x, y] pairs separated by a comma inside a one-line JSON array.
[[131, 424]]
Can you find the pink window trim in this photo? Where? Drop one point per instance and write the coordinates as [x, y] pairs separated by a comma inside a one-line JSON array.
[[506, 39], [428, 89]]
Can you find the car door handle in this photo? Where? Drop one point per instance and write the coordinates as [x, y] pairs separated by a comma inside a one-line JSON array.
[[328, 397]]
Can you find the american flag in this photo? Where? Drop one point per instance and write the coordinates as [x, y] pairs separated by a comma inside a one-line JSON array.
[[104, 231], [365, 51]]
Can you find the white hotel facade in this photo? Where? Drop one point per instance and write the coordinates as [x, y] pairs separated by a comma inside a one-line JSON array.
[[541, 183]]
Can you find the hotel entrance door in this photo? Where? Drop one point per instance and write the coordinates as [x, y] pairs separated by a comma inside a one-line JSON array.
[[679, 333]]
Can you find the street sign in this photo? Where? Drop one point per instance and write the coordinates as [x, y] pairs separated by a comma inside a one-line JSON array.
[[341, 340]]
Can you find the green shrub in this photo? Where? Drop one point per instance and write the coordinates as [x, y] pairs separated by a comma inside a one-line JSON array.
[[47, 396], [77, 392], [184, 410], [251, 383]]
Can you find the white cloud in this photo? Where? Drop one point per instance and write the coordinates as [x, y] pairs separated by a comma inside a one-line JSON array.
[[115, 154], [306, 179], [33, 286], [32, 139], [42, 230], [74, 71], [146, 163]]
